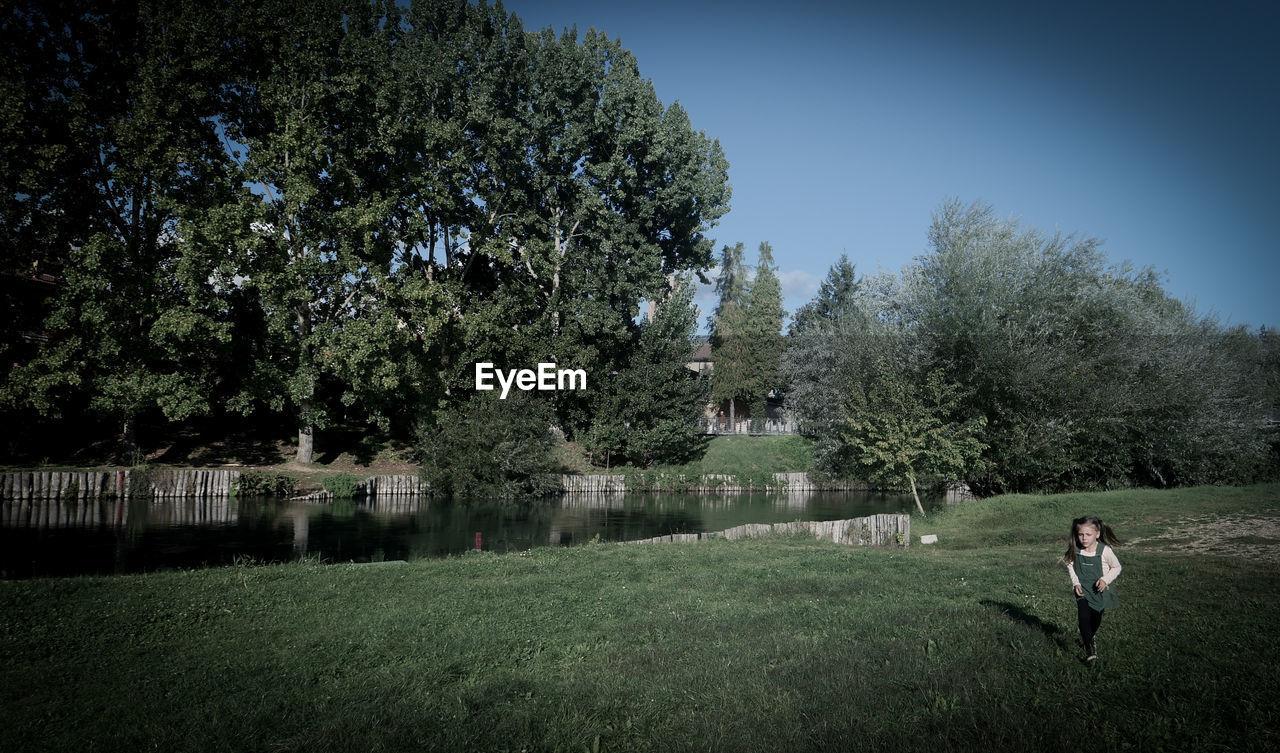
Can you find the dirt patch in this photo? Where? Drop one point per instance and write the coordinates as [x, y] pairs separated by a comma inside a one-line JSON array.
[[1248, 536]]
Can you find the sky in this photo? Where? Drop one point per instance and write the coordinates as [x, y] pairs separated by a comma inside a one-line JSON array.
[[1152, 126]]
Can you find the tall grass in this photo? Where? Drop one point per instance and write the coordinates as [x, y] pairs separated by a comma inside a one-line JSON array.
[[764, 645]]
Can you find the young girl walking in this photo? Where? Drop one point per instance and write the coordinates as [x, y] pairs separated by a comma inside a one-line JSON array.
[[1094, 568]]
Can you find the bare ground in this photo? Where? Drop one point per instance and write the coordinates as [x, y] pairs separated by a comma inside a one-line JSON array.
[[1247, 536]]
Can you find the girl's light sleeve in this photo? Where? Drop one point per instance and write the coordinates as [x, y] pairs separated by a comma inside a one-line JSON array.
[[1075, 581], [1112, 565]]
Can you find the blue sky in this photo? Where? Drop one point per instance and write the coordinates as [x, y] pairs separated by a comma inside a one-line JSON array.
[[1154, 127]]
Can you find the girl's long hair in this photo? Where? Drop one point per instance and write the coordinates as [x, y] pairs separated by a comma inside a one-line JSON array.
[[1106, 536]]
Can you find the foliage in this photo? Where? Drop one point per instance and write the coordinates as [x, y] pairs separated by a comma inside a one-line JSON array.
[[109, 148], [331, 210], [746, 332], [900, 427], [265, 484], [729, 345], [764, 333], [1086, 376], [342, 485], [1076, 374], [842, 332], [489, 447], [647, 412], [311, 230], [833, 301]]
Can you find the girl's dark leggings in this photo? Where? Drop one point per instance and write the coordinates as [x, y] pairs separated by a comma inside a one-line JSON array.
[[1089, 620]]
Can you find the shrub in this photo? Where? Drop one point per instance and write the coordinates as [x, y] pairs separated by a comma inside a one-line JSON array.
[[265, 484], [342, 485], [486, 447]]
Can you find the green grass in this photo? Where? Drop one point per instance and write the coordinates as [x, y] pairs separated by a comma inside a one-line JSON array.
[[764, 645], [741, 455], [780, 454]]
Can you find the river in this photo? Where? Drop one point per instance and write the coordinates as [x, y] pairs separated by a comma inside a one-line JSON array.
[[42, 539]]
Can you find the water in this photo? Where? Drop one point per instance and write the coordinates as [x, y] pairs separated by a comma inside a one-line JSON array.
[[114, 537]]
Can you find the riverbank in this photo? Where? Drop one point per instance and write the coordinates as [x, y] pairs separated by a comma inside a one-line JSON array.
[[728, 461], [779, 644]]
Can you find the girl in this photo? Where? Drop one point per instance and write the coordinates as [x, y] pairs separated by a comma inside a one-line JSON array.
[[1093, 568]]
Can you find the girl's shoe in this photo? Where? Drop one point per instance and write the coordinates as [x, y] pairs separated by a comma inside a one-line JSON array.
[[1091, 651]]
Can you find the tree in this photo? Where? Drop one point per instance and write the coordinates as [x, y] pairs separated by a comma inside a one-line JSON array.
[[834, 298], [1086, 375], [746, 332], [900, 426], [556, 193], [828, 339], [614, 196], [113, 150], [312, 232], [1068, 372], [486, 447], [647, 412], [730, 343], [764, 328]]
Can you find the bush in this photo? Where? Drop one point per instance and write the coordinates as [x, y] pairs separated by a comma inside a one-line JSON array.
[[264, 484], [342, 485], [486, 447]]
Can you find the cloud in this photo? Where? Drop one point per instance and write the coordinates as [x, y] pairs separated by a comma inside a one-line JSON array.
[[798, 284]]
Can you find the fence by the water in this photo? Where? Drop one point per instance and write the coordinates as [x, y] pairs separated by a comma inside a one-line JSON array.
[[593, 483], [82, 486], [195, 483], [405, 487], [873, 530]]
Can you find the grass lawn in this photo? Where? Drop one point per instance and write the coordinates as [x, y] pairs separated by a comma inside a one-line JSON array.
[[770, 645], [736, 455]]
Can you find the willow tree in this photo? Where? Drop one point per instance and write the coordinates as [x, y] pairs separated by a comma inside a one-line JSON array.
[[1087, 373]]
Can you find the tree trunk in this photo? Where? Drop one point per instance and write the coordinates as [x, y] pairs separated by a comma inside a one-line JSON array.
[[306, 444], [129, 439], [733, 420], [912, 480]]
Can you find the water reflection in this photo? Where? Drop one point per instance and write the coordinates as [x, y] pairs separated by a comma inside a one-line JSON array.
[[46, 538]]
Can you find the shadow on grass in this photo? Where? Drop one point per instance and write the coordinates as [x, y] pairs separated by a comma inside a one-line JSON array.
[[1018, 614]]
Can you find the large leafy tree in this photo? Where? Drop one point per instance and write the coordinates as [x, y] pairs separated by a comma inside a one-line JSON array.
[[614, 197], [312, 234], [1087, 375], [110, 146], [579, 195]]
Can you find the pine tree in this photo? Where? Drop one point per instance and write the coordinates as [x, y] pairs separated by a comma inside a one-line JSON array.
[[764, 327], [730, 353]]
